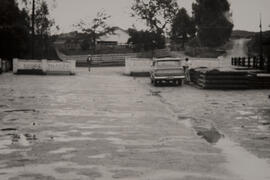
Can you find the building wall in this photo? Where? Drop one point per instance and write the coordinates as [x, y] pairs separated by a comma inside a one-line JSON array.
[[120, 36]]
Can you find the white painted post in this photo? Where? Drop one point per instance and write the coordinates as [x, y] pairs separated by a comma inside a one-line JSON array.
[[127, 66], [44, 65], [15, 65], [72, 64]]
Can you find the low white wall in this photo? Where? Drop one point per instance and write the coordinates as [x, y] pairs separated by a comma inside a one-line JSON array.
[[61, 67], [47, 67], [137, 65]]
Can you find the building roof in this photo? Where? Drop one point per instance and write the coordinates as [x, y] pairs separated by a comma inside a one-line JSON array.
[[120, 35]]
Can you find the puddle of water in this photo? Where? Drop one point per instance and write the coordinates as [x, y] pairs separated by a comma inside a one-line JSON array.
[[46, 170], [264, 122], [256, 117], [9, 129], [30, 137], [242, 163], [99, 156], [155, 93], [263, 127], [240, 118], [12, 119], [7, 151], [212, 136], [70, 139], [23, 139], [246, 113], [170, 174], [62, 150], [187, 123], [261, 138], [20, 110], [4, 149], [20, 139]]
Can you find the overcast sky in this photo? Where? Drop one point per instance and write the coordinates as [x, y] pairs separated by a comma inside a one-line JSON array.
[[68, 12]]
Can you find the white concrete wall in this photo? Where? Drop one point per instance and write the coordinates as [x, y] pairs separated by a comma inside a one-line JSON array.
[[137, 65], [47, 67], [119, 35], [61, 67]]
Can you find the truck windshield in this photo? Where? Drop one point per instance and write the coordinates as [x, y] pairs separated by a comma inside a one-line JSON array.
[[165, 64]]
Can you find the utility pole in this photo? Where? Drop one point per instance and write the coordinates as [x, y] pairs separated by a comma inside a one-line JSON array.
[[261, 43], [33, 30]]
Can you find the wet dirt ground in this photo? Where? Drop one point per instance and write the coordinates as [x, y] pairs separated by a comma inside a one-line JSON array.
[[103, 125]]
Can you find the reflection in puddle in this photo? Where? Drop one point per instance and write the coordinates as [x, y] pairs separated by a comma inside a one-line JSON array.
[[21, 110], [244, 164], [245, 113], [45, 171], [23, 139], [9, 129], [63, 150], [187, 123], [155, 93], [99, 156], [13, 119], [263, 127]]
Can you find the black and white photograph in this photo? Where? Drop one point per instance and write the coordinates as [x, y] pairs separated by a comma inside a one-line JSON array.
[[134, 90]]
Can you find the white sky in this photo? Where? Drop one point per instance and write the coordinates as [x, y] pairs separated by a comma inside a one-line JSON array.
[[69, 12]]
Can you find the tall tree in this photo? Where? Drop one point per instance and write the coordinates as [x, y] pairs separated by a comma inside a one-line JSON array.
[[14, 30], [41, 31], [213, 21], [145, 40], [158, 14], [94, 29], [43, 26], [183, 27]]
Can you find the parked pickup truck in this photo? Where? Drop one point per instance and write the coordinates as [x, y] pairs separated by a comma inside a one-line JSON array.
[[167, 70]]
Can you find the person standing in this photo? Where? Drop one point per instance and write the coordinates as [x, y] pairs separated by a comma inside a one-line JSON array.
[[186, 66], [89, 62]]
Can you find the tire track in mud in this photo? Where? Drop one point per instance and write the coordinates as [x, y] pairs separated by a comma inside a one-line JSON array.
[[202, 128]]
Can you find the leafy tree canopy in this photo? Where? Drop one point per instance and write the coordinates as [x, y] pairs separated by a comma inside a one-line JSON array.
[[183, 27], [14, 30], [145, 40], [158, 14], [95, 28], [213, 20]]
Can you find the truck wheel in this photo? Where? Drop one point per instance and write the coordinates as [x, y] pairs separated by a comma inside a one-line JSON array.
[[178, 82], [155, 82]]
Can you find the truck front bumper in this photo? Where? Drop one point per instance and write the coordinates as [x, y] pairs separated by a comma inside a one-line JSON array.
[[167, 78]]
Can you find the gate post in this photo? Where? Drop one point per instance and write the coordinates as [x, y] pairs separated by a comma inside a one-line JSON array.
[[268, 64], [254, 62], [244, 61], [261, 62]]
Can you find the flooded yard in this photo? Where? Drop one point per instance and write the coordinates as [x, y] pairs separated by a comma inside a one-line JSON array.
[[104, 125]]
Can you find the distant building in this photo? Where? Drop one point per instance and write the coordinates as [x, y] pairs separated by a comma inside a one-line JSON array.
[[67, 41], [117, 39], [72, 40]]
